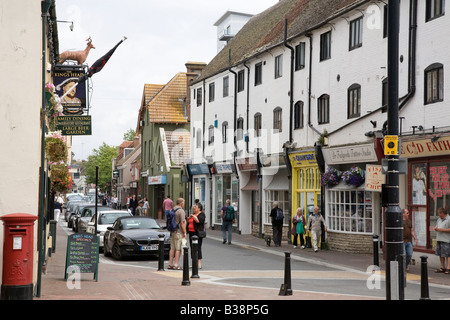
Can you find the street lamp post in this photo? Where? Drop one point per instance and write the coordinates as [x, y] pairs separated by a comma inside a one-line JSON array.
[[394, 219]]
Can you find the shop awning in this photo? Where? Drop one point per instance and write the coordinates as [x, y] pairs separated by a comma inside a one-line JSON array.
[[252, 184], [279, 182]]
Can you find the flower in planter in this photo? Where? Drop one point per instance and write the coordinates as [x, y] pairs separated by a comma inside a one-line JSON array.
[[354, 176], [56, 148], [330, 177], [61, 178]]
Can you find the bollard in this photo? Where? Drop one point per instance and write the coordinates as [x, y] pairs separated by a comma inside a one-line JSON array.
[[424, 292], [194, 253], [161, 252], [286, 289], [185, 281], [375, 251]]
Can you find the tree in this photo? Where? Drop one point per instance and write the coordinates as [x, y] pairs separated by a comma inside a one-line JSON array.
[[101, 157], [129, 135]]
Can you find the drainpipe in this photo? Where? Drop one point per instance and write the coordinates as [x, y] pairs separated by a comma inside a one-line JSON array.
[[291, 107], [45, 7], [204, 107], [248, 104], [411, 52], [291, 90], [235, 112]]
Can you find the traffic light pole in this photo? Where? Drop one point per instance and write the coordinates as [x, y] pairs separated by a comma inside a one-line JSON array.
[[394, 219]]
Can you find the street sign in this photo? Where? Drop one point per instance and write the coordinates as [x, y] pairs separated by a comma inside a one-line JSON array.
[[391, 145]]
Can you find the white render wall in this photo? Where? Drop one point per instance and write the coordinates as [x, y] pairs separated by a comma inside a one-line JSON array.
[[20, 96]]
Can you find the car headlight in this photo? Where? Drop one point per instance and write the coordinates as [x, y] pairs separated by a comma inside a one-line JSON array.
[[126, 241]]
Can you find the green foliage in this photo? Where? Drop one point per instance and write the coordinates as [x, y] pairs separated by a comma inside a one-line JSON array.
[[101, 157], [129, 135]]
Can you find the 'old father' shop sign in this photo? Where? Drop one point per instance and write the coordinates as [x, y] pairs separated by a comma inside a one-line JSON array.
[[82, 254]]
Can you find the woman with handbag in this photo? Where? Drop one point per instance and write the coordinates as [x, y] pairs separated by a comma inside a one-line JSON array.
[[196, 227], [298, 228]]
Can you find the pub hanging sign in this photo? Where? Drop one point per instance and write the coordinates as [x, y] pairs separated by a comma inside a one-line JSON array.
[[74, 125], [65, 77]]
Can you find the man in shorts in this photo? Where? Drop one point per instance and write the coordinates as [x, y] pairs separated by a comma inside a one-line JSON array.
[[443, 240], [177, 236]]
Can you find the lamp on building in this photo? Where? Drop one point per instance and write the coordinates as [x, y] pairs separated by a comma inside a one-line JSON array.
[[71, 23]]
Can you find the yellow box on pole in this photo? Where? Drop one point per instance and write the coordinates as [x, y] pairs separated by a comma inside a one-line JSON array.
[[391, 145]]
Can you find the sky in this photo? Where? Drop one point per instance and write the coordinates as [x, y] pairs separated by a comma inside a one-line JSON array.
[[161, 37]]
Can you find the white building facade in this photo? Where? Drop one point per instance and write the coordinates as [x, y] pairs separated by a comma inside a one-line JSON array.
[[318, 101]]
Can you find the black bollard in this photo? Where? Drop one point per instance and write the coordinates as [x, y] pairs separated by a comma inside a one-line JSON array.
[[286, 289], [161, 252], [185, 281], [375, 251], [194, 253], [424, 291]]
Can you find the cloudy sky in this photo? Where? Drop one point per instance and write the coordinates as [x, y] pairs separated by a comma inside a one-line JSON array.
[[161, 37]]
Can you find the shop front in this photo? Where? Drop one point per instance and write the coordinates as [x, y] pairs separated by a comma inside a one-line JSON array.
[[276, 189], [428, 184], [157, 194], [249, 194], [306, 191], [200, 179], [352, 184], [225, 186]]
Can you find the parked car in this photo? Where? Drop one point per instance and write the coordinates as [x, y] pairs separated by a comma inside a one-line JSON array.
[[76, 211], [70, 207], [134, 236], [81, 221], [105, 219]]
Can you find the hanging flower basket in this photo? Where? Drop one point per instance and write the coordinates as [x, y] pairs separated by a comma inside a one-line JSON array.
[[61, 178], [330, 177], [56, 148], [354, 176]]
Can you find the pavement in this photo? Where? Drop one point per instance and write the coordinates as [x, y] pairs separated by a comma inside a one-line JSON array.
[[120, 281]]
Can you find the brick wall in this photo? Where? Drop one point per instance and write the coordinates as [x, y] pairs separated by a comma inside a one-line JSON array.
[[354, 243]]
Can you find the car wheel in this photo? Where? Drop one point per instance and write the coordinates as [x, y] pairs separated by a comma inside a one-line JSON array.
[[116, 252]]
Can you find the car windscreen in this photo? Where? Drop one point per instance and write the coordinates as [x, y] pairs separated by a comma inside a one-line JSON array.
[[109, 218], [139, 224]]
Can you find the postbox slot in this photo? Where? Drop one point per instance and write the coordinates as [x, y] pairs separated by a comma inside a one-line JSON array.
[[11, 230]]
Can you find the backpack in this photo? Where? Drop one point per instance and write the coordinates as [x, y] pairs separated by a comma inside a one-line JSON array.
[[279, 216], [229, 214], [171, 221]]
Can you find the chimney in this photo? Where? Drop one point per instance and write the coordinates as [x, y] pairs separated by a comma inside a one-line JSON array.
[[193, 70]]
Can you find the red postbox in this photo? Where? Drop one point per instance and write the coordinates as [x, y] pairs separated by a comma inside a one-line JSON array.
[[17, 278]]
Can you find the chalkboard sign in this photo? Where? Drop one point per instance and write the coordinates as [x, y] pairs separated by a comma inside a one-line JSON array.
[[82, 253]]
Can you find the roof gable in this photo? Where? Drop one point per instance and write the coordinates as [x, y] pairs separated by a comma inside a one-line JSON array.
[[168, 104]]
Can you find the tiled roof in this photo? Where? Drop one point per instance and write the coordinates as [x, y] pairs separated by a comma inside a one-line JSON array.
[[266, 29], [168, 104], [150, 91]]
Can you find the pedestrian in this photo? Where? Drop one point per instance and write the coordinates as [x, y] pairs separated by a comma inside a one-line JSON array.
[[145, 207], [443, 240], [167, 206], [57, 207], [140, 208], [408, 235], [133, 204], [315, 221], [228, 218], [298, 228], [277, 223], [104, 201], [196, 227], [177, 236]]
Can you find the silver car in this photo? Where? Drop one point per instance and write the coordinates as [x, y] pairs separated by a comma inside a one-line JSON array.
[[105, 219]]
